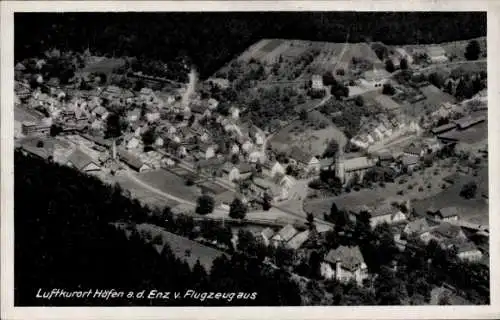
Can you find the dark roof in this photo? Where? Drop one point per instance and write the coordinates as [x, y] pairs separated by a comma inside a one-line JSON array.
[[467, 122], [443, 128], [448, 211], [447, 230], [130, 159], [350, 257], [98, 140], [383, 209], [300, 155], [286, 233], [267, 233], [385, 155], [417, 226], [245, 168], [80, 160], [466, 246], [212, 162], [197, 108]]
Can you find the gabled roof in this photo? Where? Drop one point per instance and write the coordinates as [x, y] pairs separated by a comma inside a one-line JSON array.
[[267, 233], [466, 246], [298, 240], [350, 257], [383, 209], [386, 102], [208, 163], [447, 230], [97, 140], [262, 183], [448, 212], [80, 160], [469, 121], [443, 128], [300, 155], [413, 150], [357, 163], [435, 51], [245, 168], [417, 226], [130, 159], [286, 233]]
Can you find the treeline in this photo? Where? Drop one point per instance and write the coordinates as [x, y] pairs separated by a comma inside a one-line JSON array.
[[64, 239], [212, 39]]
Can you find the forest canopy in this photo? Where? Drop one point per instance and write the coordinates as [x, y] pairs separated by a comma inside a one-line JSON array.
[[210, 40]]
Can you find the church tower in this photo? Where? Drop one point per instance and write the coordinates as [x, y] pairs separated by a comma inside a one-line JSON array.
[[339, 166]]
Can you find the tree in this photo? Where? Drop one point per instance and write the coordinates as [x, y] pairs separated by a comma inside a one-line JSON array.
[[205, 204], [329, 79], [331, 239], [237, 209], [359, 101], [55, 130], [303, 115], [436, 79], [389, 66], [148, 137], [113, 126], [469, 190], [331, 150], [403, 64], [267, 201], [473, 50], [363, 227], [283, 255], [388, 89], [310, 220]]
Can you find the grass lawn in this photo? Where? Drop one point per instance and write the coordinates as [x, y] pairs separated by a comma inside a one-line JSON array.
[[271, 45], [143, 195], [24, 114], [474, 210], [170, 183], [390, 193]]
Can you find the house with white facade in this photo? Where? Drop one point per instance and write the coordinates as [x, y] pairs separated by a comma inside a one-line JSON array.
[[277, 168], [344, 264], [467, 251], [305, 160]]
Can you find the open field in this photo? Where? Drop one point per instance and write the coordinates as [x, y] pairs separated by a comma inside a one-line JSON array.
[[474, 210], [170, 183], [410, 186], [455, 48], [471, 135], [435, 96], [143, 195], [24, 114], [307, 135]]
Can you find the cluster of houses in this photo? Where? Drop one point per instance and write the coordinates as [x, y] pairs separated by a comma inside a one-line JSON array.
[[346, 263]]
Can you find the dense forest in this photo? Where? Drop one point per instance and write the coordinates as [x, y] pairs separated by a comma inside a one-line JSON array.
[[209, 40], [64, 239]]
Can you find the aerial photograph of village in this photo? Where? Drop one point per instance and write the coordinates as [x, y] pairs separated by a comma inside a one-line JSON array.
[[251, 159]]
